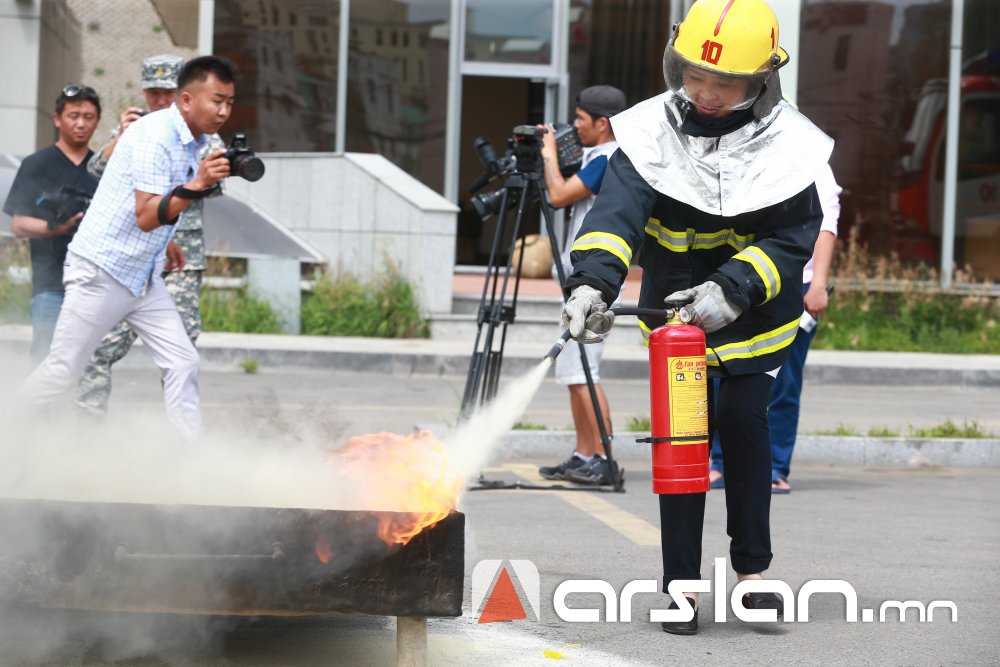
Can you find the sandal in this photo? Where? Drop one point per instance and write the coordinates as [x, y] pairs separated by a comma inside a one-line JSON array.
[[780, 485]]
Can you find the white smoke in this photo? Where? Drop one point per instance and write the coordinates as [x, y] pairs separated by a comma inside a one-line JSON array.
[[472, 445]]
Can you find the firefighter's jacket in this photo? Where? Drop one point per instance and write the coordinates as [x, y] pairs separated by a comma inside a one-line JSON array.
[[756, 256]]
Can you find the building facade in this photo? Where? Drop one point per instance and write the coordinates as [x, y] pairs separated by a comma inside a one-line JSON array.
[[418, 81]]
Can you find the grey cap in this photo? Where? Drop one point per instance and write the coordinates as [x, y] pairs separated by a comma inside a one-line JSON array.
[[161, 71], [601, 101]]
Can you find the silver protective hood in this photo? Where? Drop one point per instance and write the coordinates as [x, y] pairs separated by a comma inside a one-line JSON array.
[[762, 163]]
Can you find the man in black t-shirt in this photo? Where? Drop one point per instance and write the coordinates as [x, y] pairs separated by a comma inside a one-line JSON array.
[[46, 202]]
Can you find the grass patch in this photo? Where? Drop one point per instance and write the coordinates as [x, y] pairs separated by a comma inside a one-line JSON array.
[[342, 305], [15, 294], [842, 430], [528, 426], [249, 366], [883, 304], [948, 429], [237, 312], [638, 424]]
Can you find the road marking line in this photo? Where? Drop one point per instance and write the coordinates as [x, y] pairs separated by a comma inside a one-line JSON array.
[[637, 530]]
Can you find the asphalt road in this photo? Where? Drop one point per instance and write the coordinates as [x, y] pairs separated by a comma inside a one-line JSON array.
[[893, 535], [350, 403]]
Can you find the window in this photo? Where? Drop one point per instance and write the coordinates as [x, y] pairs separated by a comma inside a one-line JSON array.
[[979, 139], [509, 32]]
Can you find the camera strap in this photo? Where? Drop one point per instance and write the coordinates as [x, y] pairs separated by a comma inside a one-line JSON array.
[[161, 211], [183, 193]]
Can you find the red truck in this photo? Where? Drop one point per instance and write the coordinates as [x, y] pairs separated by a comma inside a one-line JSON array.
[[917, 193]]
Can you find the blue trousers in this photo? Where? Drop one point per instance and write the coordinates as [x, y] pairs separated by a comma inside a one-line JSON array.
[[783, 407], [45, 308]]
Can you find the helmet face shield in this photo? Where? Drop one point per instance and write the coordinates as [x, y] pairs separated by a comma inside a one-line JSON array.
[[710, 88]]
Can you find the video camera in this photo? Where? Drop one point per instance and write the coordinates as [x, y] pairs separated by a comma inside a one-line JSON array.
[[524, 155], [243, 162], [63, 204]]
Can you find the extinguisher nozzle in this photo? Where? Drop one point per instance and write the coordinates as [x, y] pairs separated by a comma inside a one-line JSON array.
[[558, 347]]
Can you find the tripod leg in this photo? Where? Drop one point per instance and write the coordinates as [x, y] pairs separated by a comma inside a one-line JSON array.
[[489, 316]]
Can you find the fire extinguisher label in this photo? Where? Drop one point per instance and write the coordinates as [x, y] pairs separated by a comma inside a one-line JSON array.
[[688, 397]]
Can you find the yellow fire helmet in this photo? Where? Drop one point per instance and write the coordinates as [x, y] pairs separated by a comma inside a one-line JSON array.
[[723, 52]]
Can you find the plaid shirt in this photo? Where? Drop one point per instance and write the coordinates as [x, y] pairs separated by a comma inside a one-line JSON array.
[[157, 154]]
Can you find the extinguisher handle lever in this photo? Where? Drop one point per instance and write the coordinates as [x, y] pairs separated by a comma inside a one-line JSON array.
[[665, 313], [677, 304]]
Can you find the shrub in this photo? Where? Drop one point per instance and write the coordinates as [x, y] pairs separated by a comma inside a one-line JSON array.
[[344, 306], [15, 295], [237, 312]]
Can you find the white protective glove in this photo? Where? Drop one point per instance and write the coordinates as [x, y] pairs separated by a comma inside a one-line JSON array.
[[586, 315], [709, 309]]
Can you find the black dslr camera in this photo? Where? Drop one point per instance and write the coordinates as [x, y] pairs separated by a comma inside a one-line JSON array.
[[62, 204], [243, 162], [524, 155]]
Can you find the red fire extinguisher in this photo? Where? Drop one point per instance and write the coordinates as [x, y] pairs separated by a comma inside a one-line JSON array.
[[678, 392]]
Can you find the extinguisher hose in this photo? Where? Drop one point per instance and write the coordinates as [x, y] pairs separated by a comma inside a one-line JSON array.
[[665, 313]]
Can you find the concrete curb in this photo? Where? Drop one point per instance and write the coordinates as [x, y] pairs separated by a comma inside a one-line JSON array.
[[899, 453], [451, 357]]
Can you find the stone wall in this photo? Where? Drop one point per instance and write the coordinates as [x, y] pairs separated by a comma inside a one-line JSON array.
[[116, 36]]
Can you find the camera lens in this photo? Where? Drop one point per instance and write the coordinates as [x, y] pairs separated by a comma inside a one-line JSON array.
[[488, 203], [249, 167], [484, 149]]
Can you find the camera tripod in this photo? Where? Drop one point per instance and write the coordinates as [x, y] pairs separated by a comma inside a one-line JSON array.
[[496, 313]]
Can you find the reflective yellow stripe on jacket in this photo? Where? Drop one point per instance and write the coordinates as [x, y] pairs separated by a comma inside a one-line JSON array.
[[689, 240], [758, 346], [607, 242], [765, 268]]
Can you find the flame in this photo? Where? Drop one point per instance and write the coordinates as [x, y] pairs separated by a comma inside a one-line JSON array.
[[407, 475], [323, 549]]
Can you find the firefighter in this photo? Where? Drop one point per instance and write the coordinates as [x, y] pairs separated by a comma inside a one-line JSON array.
[[713, 183]]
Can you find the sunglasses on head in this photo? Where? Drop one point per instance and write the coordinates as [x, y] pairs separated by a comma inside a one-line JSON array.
[[73, 90]]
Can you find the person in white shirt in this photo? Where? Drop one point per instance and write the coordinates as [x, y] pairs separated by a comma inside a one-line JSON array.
[[115, 263]]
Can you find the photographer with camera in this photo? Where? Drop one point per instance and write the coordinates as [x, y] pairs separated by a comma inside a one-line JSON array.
[[115, 263], [588, 464], [159, 87], [46, 203]]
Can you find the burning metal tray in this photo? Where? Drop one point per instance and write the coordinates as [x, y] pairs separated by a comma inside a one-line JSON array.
[[246, 561]]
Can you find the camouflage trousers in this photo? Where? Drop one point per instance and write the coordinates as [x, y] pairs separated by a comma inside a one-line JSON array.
[[94, 388]]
